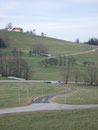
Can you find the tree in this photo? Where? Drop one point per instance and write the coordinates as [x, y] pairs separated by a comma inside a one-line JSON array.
[[92, 41], [60, 61], [85, 63], [71, 60], [34, 31], [9, 26], [64, 60], [39, 49], [77, 40], [14, 52], [4, 42], [67, 73], [42, 34], [21, 53], [76, 73], [91, 74]]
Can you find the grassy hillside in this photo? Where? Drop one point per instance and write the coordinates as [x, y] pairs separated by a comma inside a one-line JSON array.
[[25, 41], [57, 47]]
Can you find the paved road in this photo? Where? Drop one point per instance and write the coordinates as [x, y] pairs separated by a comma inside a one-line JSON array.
[[46, 105], [45, 99], [43, 106]]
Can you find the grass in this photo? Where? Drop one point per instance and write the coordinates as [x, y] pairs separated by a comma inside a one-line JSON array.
[[82, 119], [58, 47], [90, 57], [25, 41], [83, 95], [4, 78], [19, 94]]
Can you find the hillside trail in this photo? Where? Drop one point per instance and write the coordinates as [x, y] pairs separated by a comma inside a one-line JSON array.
[[80, 53], [85, 52]]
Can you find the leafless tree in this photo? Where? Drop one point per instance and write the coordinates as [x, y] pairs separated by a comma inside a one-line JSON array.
[[39, 49], [77, 40], [67, 73], [14, 66], [9, 26]]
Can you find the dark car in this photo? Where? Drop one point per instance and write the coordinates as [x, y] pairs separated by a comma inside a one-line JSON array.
[[47, 81], [60, 82]]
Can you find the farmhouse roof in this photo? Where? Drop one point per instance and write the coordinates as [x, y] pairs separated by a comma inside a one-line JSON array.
[[17, 28]]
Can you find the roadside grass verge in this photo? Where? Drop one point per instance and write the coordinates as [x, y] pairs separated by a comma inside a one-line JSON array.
[[83, 95], [80, 119], [20, 94]]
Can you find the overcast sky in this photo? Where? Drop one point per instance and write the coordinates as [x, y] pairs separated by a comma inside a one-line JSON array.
[[63, 19]]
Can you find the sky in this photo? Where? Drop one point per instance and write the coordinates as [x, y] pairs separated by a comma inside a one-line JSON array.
[[62, 19]]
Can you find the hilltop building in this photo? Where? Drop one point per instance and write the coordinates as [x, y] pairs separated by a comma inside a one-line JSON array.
[[17, 29]]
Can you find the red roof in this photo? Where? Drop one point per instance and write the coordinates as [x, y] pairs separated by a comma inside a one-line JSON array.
[[16, 28]]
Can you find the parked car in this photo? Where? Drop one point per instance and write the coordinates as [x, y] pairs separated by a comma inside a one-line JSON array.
[[47, 81], [60, 82]]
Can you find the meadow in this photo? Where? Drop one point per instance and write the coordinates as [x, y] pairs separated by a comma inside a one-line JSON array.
[[56, 47], [81, 119], [83, 95], [20, 94]]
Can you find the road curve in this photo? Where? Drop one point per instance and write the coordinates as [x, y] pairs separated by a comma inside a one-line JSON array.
[[45, 105], [45, 99]]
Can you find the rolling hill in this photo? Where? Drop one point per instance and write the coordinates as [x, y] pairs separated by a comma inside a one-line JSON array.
[[25, 41], [56, 47]]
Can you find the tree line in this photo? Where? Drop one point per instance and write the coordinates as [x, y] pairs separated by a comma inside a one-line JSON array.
[[57, 61], [71, 70], [14, 66], [92, 41], [89, 75]]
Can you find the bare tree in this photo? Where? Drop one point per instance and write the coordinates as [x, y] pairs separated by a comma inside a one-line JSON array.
[[76, 74], [91, 74], [14, 66], [14, 52], [9, 26], [67, 72], [4, 42], [77, 40], [34, 32], [39, 49]]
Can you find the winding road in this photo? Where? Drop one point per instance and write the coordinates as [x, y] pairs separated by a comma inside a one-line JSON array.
[[46, 99], [43, 103]]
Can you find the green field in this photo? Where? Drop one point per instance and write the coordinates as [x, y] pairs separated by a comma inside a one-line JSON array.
[[25, 41], [4, 78], [83, 95], [57, 47], [83, 119], [90, 57], [20, 94]]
